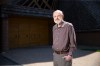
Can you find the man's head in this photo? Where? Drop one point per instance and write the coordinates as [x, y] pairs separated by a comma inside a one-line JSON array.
[[58, 16]]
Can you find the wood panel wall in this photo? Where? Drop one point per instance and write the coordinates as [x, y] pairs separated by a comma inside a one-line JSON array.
[[27, 31]]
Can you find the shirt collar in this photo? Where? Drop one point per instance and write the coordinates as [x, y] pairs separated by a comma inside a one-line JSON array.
[[62, 24]]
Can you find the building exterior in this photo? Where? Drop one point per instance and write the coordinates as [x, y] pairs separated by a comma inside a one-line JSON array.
[[28, 23]]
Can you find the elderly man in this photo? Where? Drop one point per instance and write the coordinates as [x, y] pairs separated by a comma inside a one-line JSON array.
[[64, 40]]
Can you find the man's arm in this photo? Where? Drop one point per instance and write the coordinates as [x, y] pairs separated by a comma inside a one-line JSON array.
[[72, 37]]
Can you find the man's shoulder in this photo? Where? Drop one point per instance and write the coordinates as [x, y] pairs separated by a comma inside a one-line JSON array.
[[68, 23], [54, 25]]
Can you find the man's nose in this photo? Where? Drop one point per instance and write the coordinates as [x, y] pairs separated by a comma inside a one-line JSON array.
[[56, 18]]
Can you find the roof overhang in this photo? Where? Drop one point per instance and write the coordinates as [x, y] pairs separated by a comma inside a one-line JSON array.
[[28, 11]]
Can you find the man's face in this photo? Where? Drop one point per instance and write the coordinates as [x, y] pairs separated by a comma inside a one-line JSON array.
[[57, 17]]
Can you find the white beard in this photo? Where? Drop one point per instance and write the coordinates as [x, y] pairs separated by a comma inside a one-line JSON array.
[[57, 21]]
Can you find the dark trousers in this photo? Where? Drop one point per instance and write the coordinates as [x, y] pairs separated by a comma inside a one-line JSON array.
[[58, 60]]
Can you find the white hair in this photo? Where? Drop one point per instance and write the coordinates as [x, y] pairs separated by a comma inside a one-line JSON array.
[[59, 11]]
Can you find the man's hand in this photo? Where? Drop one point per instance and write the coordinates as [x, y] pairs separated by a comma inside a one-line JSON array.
[[68, 58]]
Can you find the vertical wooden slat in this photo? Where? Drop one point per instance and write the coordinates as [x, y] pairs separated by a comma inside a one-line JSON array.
[[27, 31]]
